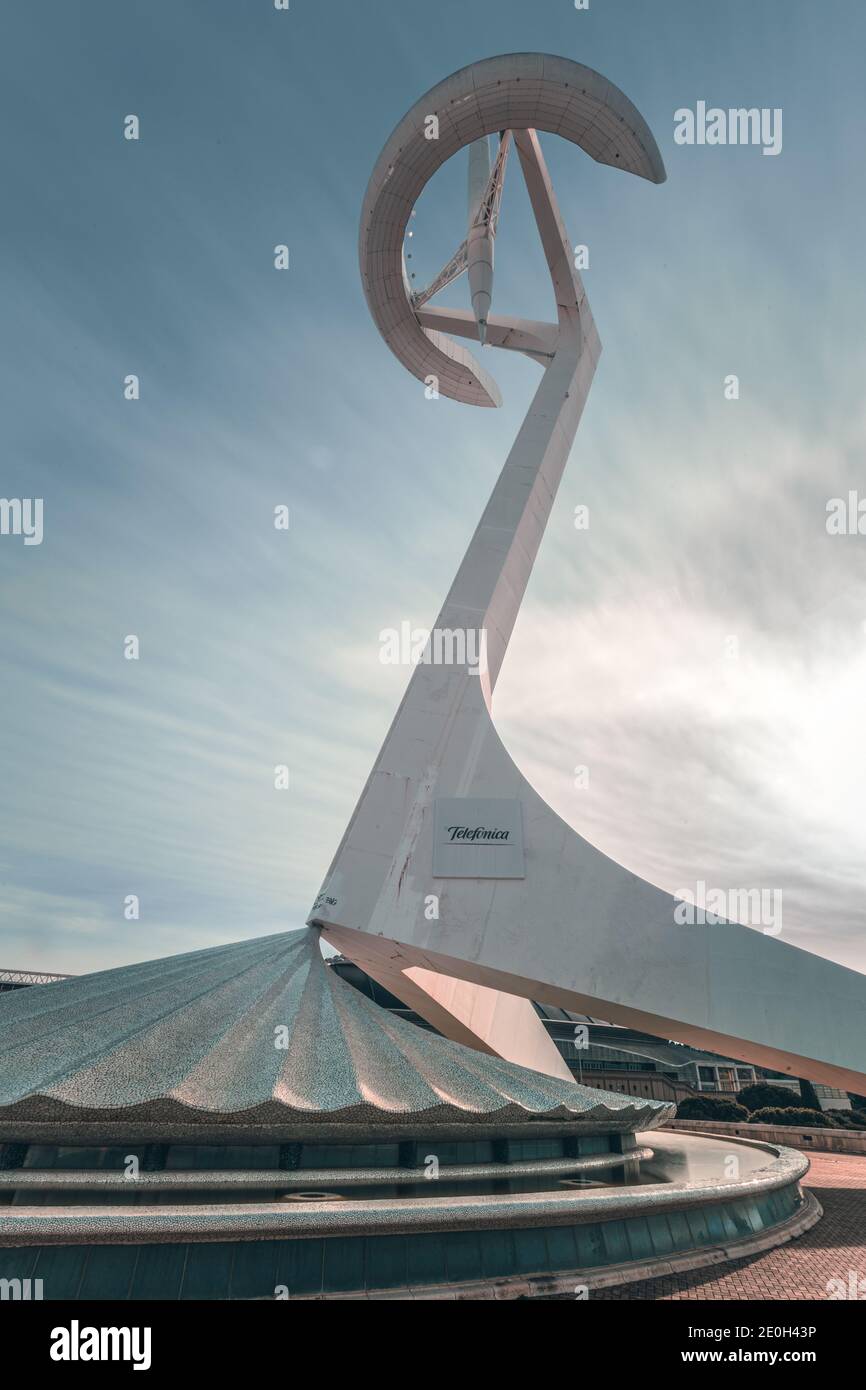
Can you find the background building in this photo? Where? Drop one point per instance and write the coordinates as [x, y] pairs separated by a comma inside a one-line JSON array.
[[626, 1060]]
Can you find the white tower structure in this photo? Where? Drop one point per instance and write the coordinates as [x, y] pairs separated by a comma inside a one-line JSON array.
[[528, 909]]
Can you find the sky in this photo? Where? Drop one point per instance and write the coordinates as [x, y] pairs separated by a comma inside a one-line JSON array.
[[700, 648]]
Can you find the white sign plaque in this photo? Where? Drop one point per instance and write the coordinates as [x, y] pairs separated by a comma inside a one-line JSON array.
[[477, 837]]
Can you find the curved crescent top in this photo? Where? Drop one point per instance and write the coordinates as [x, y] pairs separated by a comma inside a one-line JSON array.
[[515, 91]]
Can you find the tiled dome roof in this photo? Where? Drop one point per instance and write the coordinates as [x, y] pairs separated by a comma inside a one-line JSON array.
[[260, 1032]]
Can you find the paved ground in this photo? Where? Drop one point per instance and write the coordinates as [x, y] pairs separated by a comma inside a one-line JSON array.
[[835, 1248]]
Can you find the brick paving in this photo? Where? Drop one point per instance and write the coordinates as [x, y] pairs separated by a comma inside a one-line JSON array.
[[802, 1268]]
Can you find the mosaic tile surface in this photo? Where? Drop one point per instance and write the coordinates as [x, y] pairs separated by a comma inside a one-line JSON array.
[[263, 1030]]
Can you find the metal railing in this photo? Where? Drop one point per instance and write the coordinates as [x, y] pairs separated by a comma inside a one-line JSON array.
[[29, 977]]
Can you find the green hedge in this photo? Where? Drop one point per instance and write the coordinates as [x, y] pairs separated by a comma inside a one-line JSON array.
[[711, 1108], [764, 1093], [774, 1115], [850, 1119]]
